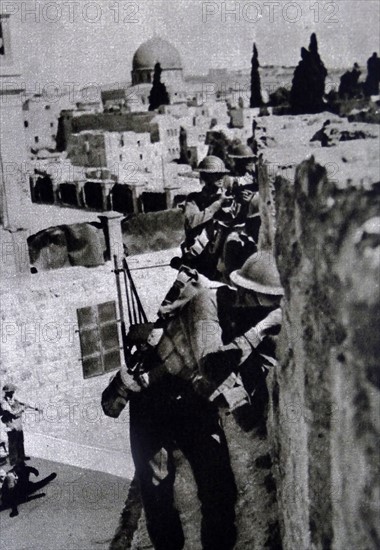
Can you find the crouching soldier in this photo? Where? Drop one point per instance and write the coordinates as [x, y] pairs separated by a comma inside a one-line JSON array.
[[216, 348], [250, 339], [244, 173], [203, 239], [229, 334], [242, 241]]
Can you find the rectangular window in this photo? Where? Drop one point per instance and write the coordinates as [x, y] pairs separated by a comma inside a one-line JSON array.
[[99, 339]]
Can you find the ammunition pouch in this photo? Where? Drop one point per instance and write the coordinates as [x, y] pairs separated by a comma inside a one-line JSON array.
[[115, 397]]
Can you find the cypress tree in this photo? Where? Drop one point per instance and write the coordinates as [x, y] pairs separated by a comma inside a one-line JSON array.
[[349, 83], [256, 99], [308, 86], [158, 94], [184, 158], [371, 85]]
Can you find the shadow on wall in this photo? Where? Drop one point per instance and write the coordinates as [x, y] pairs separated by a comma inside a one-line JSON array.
[[153, 231], [85, 244], [82, 244]]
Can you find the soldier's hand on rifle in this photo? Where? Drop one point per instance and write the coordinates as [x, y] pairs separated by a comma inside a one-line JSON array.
[[273, 319], [223, 197], [129, 381]]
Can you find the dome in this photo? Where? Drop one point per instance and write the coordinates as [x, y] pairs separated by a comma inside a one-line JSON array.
[[156, 50]]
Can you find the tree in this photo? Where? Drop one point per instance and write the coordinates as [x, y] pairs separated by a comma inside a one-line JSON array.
[[256, 99], [158, 95], [349, 87], [184, 157], [279, 97], [308, 85], [371, 85]]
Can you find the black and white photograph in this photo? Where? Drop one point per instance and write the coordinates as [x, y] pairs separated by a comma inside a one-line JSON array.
[[190, 269]]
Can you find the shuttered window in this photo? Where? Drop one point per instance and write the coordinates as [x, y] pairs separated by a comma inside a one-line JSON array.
[[99, 339]]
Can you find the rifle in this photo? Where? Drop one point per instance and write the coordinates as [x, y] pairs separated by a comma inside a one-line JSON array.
[[116, 394], [27, 406]]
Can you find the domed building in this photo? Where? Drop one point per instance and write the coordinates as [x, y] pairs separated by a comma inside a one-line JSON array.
[[135, 97], [157, 50]]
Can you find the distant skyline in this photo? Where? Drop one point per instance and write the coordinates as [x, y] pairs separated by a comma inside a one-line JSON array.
[[63, 46]]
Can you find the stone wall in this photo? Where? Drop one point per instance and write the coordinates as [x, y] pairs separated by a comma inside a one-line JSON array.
[[324, 420]]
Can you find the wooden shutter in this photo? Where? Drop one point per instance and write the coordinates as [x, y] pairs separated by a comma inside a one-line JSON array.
[[99, 339]]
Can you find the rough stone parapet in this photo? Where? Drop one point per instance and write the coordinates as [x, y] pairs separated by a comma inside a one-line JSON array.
[[324, 423]]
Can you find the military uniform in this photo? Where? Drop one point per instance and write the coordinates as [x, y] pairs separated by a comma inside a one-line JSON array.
[[206, 342], [11, 415], [200, 249], [171, 415], [241, 242]]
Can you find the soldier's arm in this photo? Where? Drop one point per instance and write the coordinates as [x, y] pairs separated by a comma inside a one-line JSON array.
[[205, 330], [254, 336], [194, 216], [9, 412], [254, 204], [18, 409]]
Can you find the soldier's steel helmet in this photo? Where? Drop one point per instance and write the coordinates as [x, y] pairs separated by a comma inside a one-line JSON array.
[[212, 165], [7, 388], [242, 151], [259, 273]]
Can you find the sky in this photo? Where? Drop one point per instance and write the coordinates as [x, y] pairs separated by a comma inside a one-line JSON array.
[[83, 41]]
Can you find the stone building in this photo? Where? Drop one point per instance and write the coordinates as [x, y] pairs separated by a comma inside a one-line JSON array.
[[135, 97], [157, 50], [40, 349], [14, 184], [41, 114], [41, 123], [107, 148], [243, 117]]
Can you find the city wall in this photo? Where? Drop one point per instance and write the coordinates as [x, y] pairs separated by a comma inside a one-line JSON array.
[[324, 420]]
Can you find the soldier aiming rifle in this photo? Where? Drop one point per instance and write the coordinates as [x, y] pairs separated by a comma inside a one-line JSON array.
[[11, 411]]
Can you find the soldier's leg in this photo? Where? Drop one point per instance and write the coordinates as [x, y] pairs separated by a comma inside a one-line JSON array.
[[12, 447], [203, 442], [10, 495], [152, 456], [20, 445]]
